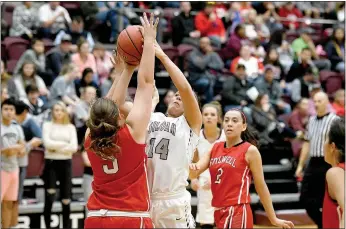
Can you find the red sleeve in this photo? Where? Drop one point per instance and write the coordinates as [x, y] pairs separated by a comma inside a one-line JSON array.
[[222, 28], [234, 64], [202, 23]]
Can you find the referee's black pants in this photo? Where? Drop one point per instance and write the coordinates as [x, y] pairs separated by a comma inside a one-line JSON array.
[[313, 188]]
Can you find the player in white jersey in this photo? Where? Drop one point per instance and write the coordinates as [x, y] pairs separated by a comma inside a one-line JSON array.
[[171, 142], [211, 133]]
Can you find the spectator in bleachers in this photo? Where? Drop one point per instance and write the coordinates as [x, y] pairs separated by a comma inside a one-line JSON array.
[[286, 56], [267, 85], [336, 50], [4, 93], [12, 146], [25, 21], [81, 111], [37, 107], [201, 64], [234, 44], [163, 104], [83, 58], [58, 56], [291, 13], [314, 9], [305, 41], [5, 77], [339, 103], [301, 66], [299, 117], [32, 134], [234, 91], [300, 87], [103, 61], [53, 18], [209, 25], [272, 58], [27, 76], [107, 11], [263, 114], [253, 29], [270, 16], [60, 142], [254, 67], [183, 27], [63, 87], [76, 31], [86, 80], [35, 55]]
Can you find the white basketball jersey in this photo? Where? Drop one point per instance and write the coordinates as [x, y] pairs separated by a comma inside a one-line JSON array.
[[205, 146], [170, 147]]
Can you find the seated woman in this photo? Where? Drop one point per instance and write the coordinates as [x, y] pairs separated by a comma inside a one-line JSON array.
[[87, 80], [27, 76], [264, 119]]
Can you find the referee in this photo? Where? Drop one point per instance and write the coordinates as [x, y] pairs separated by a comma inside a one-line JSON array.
[[313, 185]]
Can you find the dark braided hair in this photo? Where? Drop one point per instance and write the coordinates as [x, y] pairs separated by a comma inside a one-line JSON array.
[[336, 135]]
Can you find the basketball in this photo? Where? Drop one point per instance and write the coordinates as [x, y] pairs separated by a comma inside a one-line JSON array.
[[130, 45]]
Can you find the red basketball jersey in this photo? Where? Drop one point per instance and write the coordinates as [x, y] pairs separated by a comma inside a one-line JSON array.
[[230, 175], [332, 213], [120, 185]]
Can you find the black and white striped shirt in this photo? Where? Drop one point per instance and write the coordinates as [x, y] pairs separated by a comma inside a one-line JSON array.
[[316, 134]]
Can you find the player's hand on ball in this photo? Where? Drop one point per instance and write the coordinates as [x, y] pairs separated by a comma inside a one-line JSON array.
[[282, 223], [149, 27], [118, 62], [159, 53]]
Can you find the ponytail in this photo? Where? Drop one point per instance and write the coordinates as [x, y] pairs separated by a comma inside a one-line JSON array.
[[103, 126], [250, 135]]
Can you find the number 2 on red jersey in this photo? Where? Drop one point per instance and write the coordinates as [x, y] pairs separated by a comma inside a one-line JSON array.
[[218, 176]]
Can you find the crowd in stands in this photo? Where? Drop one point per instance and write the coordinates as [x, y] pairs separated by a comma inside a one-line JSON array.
[[267, 58]]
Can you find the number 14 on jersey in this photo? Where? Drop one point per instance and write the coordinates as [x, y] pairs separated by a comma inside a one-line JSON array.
[[161, 148]]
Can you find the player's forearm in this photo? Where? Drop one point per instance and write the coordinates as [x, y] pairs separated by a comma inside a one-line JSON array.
[[264, 195], [114, 84], [120, 90], [304, 154], [146, 68], [178, 78]]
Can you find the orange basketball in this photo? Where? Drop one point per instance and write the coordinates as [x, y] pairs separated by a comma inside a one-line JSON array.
[[130, 45]]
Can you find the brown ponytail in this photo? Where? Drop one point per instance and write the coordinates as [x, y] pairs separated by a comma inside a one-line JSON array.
[[103, 126]]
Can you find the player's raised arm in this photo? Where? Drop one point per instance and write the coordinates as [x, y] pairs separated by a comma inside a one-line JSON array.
[[140, 113], [192, 112]]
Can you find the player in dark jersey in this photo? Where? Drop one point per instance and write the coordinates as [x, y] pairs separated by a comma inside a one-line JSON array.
[[232, 164], [116, 147], [334, 198]]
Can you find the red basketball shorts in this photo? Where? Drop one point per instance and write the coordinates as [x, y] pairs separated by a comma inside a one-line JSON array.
[[118, 222], [237, 216]]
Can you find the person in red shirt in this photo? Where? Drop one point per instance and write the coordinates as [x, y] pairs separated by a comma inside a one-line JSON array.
[[339, 103], [210, 25], [116, 148], [334, 197], [291, 13], [232, 164]]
